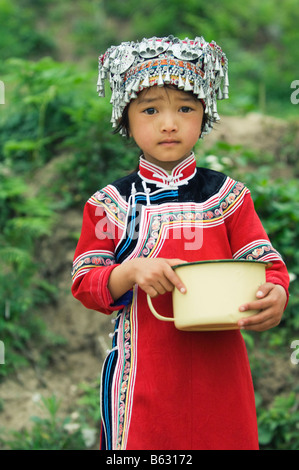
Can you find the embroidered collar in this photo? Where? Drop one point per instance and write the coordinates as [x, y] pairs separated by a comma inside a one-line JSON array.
[[181, 174]]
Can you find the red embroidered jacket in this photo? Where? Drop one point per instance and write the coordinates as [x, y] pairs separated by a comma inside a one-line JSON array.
[[163, 388]]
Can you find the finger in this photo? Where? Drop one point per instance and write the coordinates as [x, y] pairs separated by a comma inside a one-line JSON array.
[[255, 319], [175, 261], [256, 305], [266, 287], [258, 327], [264, 290], [151, 291], [175, 280], [261, 321], [263, 294], [261, 324], [155, 287], [162, 286]]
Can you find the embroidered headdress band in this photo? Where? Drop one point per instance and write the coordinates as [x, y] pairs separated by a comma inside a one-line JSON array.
[[191, 65]]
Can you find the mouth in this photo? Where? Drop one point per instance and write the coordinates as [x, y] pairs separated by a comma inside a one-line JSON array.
[[168, 142]]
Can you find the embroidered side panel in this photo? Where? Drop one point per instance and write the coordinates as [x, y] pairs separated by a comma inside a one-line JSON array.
[[107, 395], [118, 380], [128, 374]]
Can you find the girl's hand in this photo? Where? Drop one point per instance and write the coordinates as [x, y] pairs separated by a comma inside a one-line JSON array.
[[155, 275], [271, 303]]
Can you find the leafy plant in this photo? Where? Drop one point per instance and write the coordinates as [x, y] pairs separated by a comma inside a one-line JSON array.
[[19, 36], [278, 425], [52, 431], [23, 220], [89, 401], [48, 433]]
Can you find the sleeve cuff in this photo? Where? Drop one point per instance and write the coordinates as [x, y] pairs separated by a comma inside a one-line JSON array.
[[100, 292]]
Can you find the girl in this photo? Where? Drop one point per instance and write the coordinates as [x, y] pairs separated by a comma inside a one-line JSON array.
[[162, 388]]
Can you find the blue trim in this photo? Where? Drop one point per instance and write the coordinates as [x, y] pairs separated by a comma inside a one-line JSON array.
[[125, 299], [141, 198], [106, 402], [107, 377], [130, 235]]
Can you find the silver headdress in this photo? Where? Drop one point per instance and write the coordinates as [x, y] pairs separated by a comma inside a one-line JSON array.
[[191, 65]]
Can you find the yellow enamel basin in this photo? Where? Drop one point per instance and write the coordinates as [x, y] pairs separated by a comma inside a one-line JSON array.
[[215, 291]]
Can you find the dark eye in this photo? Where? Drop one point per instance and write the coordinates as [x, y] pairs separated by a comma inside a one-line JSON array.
[[150, 111], [186, 109]]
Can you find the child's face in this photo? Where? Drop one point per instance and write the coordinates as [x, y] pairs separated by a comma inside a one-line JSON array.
[[166, 124]]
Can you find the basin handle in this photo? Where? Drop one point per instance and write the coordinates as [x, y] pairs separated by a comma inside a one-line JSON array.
[[154, 311]]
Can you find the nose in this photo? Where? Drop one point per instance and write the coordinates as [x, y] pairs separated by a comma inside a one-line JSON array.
[[168, 123]]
